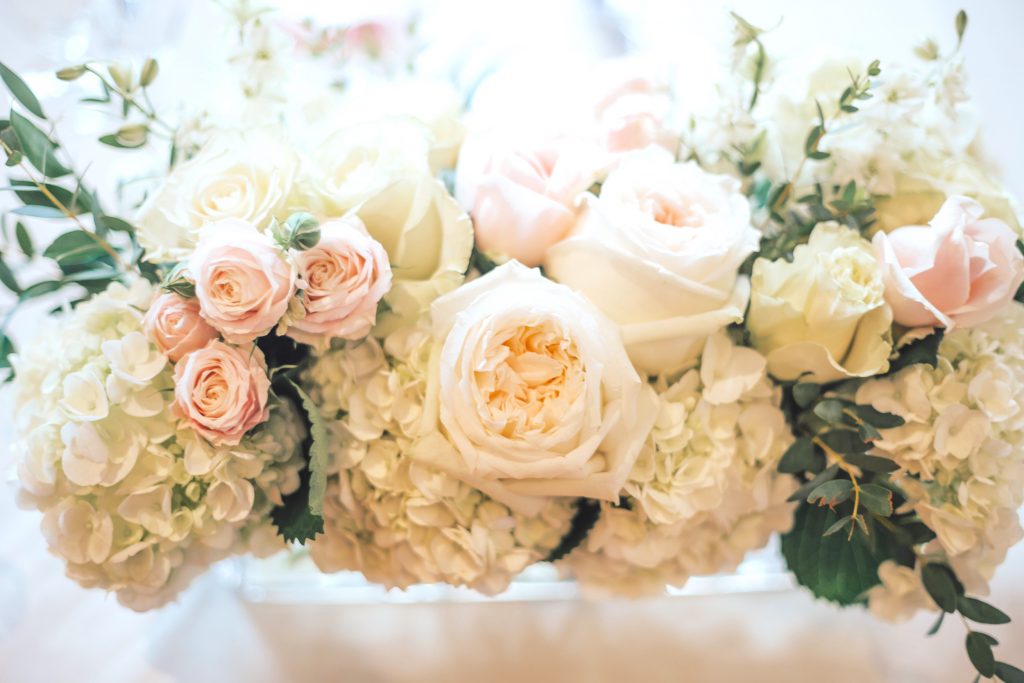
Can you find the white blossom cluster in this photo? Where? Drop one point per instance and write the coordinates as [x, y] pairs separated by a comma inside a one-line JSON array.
[[133, 503], [704, 490], [397, 521], [961, 454]]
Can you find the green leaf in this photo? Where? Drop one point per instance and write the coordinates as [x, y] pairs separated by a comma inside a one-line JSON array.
[[827, 474], [868, 432], [832, 493], [961, 26], [838, 526], [799, 457], [1009, 673], [877, 499], [20, 90], [587, 513], [7, 278], [942, 586], [75, 202], [75, 248], [6, 349], [831, 410], [925, 350], [844, 441], [39, 289], [981, 612], [293, 519], [39, 212], [979, 650], [24, 240], [831, 567], [318, 451], [937, 625], [37, 147], [877, 418], [872, 463], [804, 393]]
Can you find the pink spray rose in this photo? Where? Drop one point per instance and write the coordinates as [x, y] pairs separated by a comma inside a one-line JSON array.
[[221, 391], [346, 274], [174, 324], [243, 284], [958, 271], [523, 196]]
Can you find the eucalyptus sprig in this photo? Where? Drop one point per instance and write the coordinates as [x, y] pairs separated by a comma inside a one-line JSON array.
[[47, 186]]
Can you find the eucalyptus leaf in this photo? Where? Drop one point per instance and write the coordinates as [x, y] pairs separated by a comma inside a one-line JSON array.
[[37, 147], [981, 612], [1009, 673], [799, 457], [20, 90], [24, 240], [979, 650], [7, 278], [941, 585], [877, 499], [831, 493], [872, 463]]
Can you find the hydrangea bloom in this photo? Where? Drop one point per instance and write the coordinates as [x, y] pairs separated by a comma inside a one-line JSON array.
[[131, 501], [397, 521]]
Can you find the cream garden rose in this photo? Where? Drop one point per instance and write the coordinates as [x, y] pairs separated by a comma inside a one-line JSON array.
[[530, 393], [822, 316], [221, 391], [247, 177], [428, 240], [960, 270], [659, 252], [176, 326], [244, 284], [345, 275]]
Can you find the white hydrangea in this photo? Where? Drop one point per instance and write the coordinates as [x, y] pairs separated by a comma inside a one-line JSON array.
[[961, 451], [705, 490], [132, 503], [397, 521]]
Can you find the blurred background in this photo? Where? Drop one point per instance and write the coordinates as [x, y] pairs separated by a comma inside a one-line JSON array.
[[51, 630]]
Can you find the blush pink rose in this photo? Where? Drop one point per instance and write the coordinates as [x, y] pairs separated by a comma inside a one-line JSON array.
[[175, 325], [243, 283], [632, 111], [345, 275], [221, 391], [958, 271], [523, 196]]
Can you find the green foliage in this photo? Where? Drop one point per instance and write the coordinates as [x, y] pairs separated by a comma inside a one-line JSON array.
[[961, 27], [925, 350], [300, 231], [1008, 673], [318, 455], [37, 147], [979, 650], [587, 513], [481, 262], [20, 91], [801, 456], [832, 567], [293, 519]]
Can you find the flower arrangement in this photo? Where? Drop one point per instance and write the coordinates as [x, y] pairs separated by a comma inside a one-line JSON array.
[[440, 347]]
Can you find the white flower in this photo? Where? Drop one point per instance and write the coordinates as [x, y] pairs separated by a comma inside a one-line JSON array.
[[535, 395], [85, 398], [899, 595], [659, 253], [78, 531], [246, 177]]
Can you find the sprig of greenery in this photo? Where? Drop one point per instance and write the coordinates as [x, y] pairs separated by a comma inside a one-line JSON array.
[[748, 41]]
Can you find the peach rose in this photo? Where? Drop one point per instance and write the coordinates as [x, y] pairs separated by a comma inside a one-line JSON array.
[[346, 274], [632, 110], [221, 391], [243, 283], [958, 271], [175, 325], [522, 196]]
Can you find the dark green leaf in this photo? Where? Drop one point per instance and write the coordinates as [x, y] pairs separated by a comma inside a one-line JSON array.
[[114, 224], [831, 493], [799, 457], [827, 474], [868, 432], [318, 452], [75, 202], [838, 526], [941, 585], [872, 463], [924, 350], [877, 499], [39, 289], [831, 410], [844, 441], [832, 567], [7, 278], [979, 650], [587, 512], [75, 248], [20, 90], [804, 393], [24, 240], [981, 612], [37, 147], [293, 519], [1009, 673], [877, 418], [937, 625]]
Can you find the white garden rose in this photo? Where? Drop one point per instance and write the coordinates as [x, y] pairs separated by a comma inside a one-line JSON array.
[[823, 315], [531, 393], [659, 252], [358, 161], [247, 177], [428, 238]]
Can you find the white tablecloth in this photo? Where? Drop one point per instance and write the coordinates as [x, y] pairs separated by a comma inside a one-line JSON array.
[[53, 631]]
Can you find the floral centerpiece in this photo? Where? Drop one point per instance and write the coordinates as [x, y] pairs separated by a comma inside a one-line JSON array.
[[630, 339]]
